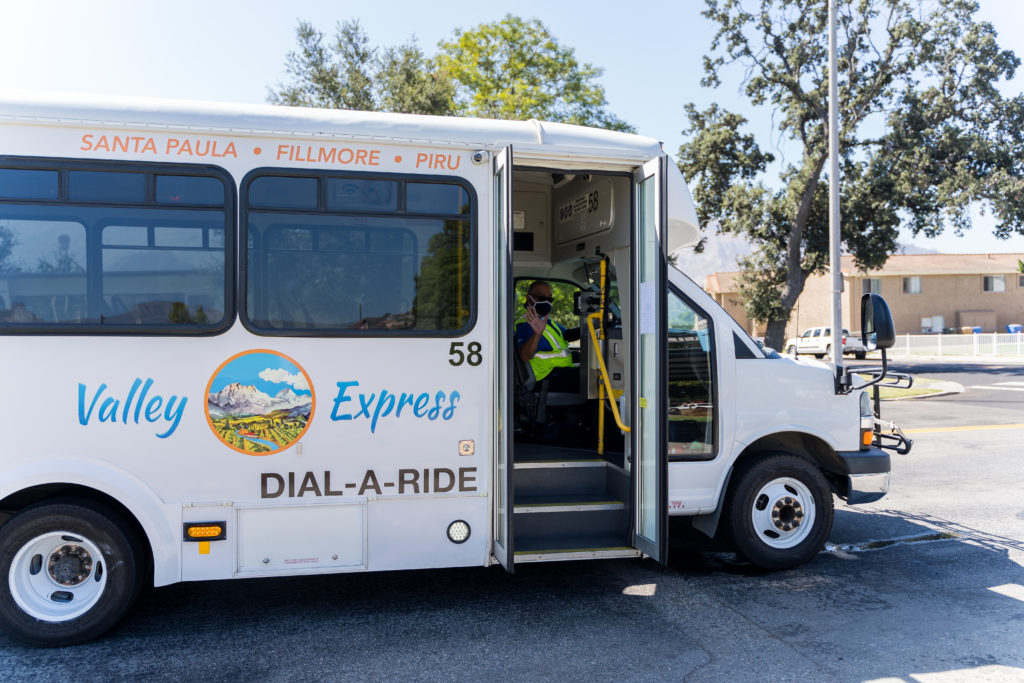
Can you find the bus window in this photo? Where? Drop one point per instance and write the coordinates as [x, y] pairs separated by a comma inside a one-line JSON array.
[[691, 396], [79, 263], [375, 255]]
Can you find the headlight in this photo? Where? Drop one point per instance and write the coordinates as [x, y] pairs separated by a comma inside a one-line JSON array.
[[865, 405]]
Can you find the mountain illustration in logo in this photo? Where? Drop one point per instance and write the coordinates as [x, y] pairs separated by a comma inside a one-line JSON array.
[[249, 409]]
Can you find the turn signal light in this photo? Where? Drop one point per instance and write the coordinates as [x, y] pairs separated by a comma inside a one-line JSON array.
[[866, 437], [205, 531]]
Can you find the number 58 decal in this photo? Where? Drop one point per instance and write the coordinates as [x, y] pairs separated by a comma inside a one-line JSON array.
[[472, 355]]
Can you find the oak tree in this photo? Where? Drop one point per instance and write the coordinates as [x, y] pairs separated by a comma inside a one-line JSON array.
[[924, 134]]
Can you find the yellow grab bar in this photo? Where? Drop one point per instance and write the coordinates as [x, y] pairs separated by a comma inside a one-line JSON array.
[[604, 371]]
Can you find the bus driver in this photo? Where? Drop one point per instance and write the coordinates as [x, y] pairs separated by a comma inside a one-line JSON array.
[[542, 342]]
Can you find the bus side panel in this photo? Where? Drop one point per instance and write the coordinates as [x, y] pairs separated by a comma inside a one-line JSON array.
[[391, 416]]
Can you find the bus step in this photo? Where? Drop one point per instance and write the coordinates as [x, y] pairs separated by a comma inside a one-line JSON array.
[[573, 548], [558, 478], [572, 521], [580, 502], [536, 452]]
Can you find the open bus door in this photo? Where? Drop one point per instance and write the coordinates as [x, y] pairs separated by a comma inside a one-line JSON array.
[[649, 447], [503, 432]]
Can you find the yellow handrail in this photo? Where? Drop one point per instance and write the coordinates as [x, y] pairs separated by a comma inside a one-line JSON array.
[[604, 371]]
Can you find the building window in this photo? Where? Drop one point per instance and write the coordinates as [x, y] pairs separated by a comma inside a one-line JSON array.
[[872, 285], [1020, 280], [993, 283], [334, 254], [912, 284], [124, 249]]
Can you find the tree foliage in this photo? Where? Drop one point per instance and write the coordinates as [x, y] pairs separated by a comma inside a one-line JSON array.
[[924, 134], [349, 73], [515, 69], [508, 69]]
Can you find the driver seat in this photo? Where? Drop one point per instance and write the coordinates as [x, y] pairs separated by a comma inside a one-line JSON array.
[[534, 402]]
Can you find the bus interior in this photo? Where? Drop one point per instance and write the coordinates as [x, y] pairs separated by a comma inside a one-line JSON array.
[[571, 479]]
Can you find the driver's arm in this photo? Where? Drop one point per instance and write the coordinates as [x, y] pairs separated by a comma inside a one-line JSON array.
[[529, 347]]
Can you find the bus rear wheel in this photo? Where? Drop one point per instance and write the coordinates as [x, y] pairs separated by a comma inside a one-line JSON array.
[[780, 511], [69, 570]]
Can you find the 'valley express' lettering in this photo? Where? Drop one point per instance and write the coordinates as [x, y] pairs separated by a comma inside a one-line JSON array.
[[374, 407], [136, 407]]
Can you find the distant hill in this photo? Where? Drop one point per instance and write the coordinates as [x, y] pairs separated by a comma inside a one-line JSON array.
[[914, 249], [722, 253]]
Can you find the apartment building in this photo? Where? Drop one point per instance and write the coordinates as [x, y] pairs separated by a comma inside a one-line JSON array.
[[926, 293]]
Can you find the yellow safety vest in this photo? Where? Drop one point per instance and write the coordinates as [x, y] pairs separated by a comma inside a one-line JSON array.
[[543, 362]]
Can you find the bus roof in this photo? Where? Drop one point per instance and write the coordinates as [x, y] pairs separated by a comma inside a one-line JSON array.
[[266, 119]]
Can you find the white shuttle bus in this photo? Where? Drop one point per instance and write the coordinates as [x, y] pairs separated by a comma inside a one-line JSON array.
[[246, 341]]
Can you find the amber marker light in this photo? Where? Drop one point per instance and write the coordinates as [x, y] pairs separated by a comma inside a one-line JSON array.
[[205, 531]]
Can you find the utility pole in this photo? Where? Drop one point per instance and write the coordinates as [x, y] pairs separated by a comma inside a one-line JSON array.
[[835, 263]]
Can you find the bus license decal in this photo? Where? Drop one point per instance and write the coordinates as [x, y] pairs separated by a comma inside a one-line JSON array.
[[259, 402], [403, 482], [376, 406], [139, 405]]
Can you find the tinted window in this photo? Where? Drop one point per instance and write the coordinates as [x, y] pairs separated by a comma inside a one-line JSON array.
[[285, 193], [691, 396], [360, 194], [358, 263], [182, 189], [104, 186], [436, 198], [16, 183], [93, 267]]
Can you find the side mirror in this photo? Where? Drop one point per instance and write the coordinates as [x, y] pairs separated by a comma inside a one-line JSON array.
[[876, 320]]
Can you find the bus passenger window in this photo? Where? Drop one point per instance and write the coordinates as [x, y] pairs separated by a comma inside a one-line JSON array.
[[375, 256], [691, 396], [108, 257]]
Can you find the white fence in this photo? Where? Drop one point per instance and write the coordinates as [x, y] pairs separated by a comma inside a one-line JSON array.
[[984, 344]]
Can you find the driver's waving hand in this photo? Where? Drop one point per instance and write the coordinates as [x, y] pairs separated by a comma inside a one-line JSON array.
[[542, 343]]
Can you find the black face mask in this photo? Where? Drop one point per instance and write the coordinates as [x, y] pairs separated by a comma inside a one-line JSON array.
[[542, 308]]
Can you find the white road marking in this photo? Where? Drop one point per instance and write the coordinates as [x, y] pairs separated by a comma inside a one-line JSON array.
[[1009, 384], [995, 388]]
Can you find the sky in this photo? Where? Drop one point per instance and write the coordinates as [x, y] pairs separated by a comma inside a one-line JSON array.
[[233, 50], [267, 372]]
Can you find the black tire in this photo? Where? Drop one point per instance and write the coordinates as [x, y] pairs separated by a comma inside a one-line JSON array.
[[803, 501], [819, 355], [67, 536], [860, 355], [791, 350]]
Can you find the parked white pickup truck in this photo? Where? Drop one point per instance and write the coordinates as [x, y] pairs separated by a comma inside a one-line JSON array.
[[818, 340]]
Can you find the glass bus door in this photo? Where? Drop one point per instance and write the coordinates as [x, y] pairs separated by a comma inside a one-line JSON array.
[[502, 312], [650, 460]]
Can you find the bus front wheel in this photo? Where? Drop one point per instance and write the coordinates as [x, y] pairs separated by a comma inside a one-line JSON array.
[[69, 570], [779, 511]]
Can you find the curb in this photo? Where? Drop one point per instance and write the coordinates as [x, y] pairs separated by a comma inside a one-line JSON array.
[[944, 389]]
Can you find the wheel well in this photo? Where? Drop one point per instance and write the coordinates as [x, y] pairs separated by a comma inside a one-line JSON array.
[[802, 445], [20, 500]]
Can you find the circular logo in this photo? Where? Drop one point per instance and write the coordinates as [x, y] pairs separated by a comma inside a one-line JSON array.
[[259, 402]]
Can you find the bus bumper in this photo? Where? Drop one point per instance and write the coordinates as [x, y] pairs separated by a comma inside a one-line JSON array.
[[867, 475]]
